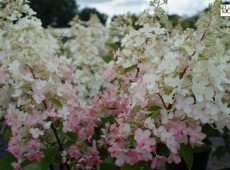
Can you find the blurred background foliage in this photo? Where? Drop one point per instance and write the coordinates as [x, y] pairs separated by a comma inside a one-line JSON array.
[[85, 14], [56, 13], [59, 13]]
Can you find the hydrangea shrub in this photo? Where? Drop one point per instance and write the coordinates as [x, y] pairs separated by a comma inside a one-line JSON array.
[[147, 106]]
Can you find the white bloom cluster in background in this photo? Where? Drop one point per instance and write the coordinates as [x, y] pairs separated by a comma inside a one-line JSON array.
[[119, 27], [85, 47]]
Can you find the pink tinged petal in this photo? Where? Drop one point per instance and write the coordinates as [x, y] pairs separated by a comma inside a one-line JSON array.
[[92, 161], [189, 100], [177, 159], [33, 145], [108, 74], [150, 145], [132, 157], [141, 136], [138, 133], [124, 105], [3, 76], [179, 107], [155, 163], [144, 155], [120, 162], [180, 133], [174, 158], [158, 161], [14, 147], [16, 166], [15, 151], [112, 151], [121, 156], [35, 132], [73, 152], [147, 133], [63, 160], [36, 156]]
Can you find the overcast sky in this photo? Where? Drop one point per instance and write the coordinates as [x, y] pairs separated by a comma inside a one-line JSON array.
[[115, 7]]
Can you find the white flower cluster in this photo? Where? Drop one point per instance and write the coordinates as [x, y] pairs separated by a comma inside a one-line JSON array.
[[86, 46], [174, 84], [20, 54], [119, 27], [192, 63], [36, 86]]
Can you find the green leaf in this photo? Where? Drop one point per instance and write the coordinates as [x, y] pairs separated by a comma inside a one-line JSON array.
[[63, 168], [104, 120], [7, 134], [33, 166], [210, 131], [154, 108], [189, 77], [112, 46], [72, 136], [57, 103], [187, 154], [202, 57], [106, 166], [154, 111], [138, 166], [5, 164], [25, 163], [105, 156], [131, 68], [220, 151], [162, 149], [110, 119], [109, 160], [107, 59], [49, 158], [4, 35]]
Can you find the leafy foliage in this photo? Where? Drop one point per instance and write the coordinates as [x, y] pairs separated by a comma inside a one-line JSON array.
[[6, 162], [55, 14], [85, 14], [138, 166], [187, 154]]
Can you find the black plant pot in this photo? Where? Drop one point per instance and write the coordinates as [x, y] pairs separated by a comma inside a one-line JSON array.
[[200, 160]]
